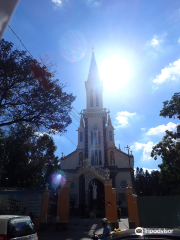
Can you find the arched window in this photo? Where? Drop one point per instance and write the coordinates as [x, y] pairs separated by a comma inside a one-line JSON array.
[[91, 98], [91, 138], [99, 138], [100, 159], [80, 158], [97, 99], [96, 157], [92, 157], [112, 160], [95, 136], [81, 137], [110, 135]]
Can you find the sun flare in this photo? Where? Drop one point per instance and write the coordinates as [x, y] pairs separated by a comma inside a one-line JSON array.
[[114, 72]]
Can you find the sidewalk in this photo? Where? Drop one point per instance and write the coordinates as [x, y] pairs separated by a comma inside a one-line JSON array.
[[79, 229]]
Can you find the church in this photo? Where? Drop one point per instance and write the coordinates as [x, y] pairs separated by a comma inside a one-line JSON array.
[[96, 147]]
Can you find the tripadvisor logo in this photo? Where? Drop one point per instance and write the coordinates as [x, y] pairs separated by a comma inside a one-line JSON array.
[[140, 230]]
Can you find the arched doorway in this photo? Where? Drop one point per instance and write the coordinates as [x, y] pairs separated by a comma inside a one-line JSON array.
[[97, 204]]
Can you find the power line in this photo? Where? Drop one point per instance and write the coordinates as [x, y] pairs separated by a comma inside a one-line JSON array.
[[21, 42]]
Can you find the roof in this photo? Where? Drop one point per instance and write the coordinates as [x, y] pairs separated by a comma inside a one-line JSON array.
[[4, 219]]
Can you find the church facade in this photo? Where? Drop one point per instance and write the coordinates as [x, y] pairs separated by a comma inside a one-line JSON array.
[[96, 145]]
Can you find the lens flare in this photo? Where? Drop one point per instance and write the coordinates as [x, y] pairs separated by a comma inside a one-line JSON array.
[[73, 46], [58, 179]]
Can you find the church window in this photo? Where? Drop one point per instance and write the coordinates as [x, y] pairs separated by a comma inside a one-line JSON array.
[[80, 158], [99, 138], [112, 160], [110, 135], [97, 99], [91, 98], [91, 138], [96, 157], [92, 157], [81, 137], [100, 159], [95, 138]]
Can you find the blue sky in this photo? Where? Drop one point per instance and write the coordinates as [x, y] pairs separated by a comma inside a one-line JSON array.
[[136, 43]]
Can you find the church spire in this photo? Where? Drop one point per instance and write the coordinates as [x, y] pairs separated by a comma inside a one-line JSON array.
[[109, 120], [93, 70], [81, 122]]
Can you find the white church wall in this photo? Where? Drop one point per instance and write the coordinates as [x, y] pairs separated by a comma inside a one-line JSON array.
[[71, 161]]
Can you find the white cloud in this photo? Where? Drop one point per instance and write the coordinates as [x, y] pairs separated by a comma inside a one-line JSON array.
[[179, 40], [143, 129], [156, 41], [57, 2], [148, 169], [95, 3], [171, 72], [122, 118], [146, 147], [161, 129]]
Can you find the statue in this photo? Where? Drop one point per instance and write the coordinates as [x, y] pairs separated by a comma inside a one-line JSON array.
[[94, 190]]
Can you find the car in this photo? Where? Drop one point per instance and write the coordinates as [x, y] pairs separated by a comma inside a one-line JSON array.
[[130, 234], [15, 227]]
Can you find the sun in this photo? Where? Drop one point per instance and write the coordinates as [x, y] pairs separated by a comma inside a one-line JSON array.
[[114, 72]]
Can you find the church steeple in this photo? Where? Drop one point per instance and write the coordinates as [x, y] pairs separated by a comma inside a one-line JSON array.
[[93, 70], [109, 120], [94, 87]]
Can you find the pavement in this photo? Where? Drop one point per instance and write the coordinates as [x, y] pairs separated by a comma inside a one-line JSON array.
[[79, 229]]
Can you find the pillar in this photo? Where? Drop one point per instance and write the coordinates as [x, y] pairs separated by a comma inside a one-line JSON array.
[[63, 208], [133, 216], [110, 204], [44, 209]]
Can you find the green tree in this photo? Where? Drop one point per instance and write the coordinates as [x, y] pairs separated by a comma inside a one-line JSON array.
[[30, 94], [27, 157], [171, 108], [169, 150], [148, 184]]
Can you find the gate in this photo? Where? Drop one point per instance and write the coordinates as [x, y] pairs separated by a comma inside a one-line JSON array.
[[158, 211]]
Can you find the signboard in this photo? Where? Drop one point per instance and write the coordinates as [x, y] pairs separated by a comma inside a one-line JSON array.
[[21, 202]]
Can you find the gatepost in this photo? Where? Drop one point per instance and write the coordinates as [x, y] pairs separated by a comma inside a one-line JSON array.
[[44, 209], [133, 216], [63, 208], [110, 204]]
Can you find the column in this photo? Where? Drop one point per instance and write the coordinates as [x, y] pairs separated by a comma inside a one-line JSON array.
[[44, 209], [133, 216], [63, 208], [110, 204]]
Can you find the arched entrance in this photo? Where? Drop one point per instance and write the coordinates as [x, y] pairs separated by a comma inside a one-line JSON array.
[[98, 204]]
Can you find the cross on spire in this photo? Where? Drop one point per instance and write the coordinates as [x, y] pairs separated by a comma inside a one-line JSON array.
[[92, 49], [128, 149]]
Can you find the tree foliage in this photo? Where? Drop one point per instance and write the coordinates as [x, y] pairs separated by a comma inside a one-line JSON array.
[[148, 184], [29, 93], [171, 108], [169, 150], [27, 158]]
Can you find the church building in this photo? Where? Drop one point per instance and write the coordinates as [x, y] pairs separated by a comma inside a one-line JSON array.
[[97, 147]]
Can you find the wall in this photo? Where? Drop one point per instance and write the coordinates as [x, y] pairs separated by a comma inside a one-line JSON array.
[[159, 211]]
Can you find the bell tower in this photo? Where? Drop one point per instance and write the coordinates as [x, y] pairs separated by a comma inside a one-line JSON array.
[[94, 87], [95, 118]]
